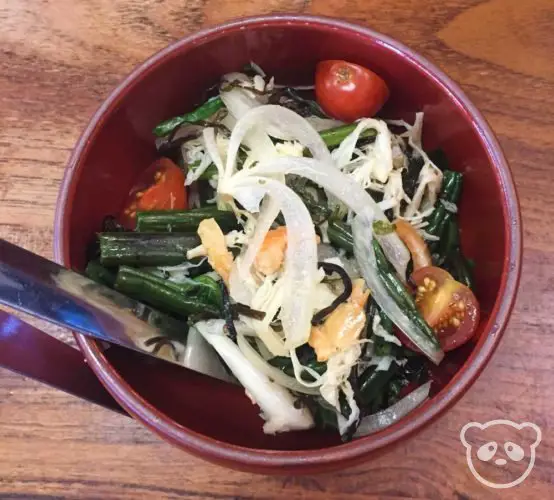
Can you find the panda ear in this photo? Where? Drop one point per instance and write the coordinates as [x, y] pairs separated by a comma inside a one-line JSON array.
[[469, 434], [530, 434]]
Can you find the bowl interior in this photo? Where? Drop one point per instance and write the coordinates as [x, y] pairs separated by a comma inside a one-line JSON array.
[[121, 145]]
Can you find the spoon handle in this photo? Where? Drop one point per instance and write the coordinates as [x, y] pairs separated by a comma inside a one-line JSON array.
[[42, 288]]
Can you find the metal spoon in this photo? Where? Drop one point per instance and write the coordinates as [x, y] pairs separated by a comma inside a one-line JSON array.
[[44, 289]]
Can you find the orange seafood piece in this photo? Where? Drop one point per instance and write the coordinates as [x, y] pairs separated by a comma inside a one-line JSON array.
[[271, 255], [343, 326], [272, 252], [213, 240]]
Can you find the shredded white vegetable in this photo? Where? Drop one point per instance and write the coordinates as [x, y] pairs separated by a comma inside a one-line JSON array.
[[375, 162], [277, 404], [381, 332], [233, 239]]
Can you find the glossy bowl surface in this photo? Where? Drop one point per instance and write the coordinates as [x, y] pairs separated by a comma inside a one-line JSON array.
[[211, 419]]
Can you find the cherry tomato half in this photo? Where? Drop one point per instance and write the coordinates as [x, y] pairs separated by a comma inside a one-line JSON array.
[[347, 91], [449, 307], [160, 187]]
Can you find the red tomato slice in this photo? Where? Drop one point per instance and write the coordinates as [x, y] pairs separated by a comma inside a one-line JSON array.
[[347, 91], [160, 187], [449, 307]]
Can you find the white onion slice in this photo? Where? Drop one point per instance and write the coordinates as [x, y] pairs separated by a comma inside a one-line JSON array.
[[291, 125], [299, 369], [385, 418], [200, 356], [365, 255], [301, 253], [272, 372], [382, 146], [276, 403], [240, 104], [397, 254], [345, 423], [268, 297], [268, 336], [241, 283]]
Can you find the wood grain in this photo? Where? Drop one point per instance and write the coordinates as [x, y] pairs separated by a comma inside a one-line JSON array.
[[60, 58]]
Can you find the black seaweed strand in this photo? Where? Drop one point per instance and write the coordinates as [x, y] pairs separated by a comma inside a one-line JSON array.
[[330, 269], [243, 309], [158, 343], [228, 313]]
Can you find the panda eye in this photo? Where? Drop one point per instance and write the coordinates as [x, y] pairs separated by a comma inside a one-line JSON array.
[[487, 451], [514, 451]]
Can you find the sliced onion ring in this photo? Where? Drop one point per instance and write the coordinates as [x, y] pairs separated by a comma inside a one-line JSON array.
[[385, 418], [271, 371]]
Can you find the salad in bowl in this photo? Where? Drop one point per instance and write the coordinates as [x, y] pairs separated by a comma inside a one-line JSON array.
[[309, 249]]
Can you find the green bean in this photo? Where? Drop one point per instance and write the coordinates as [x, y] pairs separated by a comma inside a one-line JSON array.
[[97, 272], [145, 249], [208, 174], [400, 295], [203, 112], [167, 221], [340, 235], [448, 243], [334, 136], [460, 269], [450, 254], [373, 381], [393, 285], [450, 192], [192, 297], [173, 328]]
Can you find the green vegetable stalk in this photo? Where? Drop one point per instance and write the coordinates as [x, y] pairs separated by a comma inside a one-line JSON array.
[[209, 108], [334, 136], [450, 192], [145, 249], [199, 296], [97, 272], [167, 221]]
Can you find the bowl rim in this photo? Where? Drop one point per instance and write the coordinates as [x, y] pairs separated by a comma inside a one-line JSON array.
[[276, 461]]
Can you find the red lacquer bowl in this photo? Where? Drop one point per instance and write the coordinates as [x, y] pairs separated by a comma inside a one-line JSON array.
[[217, 421]]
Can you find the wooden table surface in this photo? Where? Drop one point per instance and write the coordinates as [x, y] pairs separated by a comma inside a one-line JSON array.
[[60, 58]]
